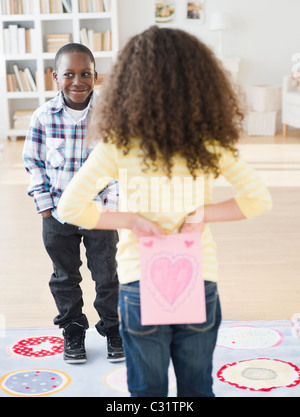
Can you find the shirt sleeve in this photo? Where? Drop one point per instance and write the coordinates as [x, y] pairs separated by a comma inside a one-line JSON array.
[[252, 196], [77, 205], [34, 156], [110, 195]]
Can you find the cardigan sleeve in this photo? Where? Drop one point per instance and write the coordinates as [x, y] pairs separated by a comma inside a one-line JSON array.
[[77, 205], [252, 196]]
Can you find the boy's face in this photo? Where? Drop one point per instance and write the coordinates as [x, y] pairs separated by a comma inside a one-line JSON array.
[[76, 76]]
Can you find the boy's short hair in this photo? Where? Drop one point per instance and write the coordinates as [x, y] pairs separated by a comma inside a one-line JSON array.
[[73, 47]]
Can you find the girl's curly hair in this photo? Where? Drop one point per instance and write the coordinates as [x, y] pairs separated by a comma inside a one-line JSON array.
[[168, 90]]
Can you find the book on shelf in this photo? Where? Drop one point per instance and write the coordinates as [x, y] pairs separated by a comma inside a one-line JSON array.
[[25, 81], [13, 39], [19, 40], [67, 5], [18, 76], [107, 6], [96, 41], [107, 42], [20, 80], [94, 6], [17, 7], [50, 83], [56, 40], [99, 81], [55, 6], [21, 118], [44, 6], [12, 83], [30, 78]]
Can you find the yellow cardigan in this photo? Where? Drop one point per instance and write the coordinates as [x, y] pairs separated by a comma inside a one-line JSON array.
[[152, 195]]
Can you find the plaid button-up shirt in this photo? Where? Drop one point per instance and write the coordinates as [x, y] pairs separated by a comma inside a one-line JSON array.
[[54, 150]]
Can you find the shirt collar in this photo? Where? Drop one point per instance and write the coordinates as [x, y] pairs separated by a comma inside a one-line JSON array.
[[57, 103]]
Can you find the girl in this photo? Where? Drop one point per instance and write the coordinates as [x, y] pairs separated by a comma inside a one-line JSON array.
[[167, 111]]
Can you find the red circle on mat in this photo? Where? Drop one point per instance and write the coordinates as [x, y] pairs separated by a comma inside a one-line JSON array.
[[38, 347], [262, 374]]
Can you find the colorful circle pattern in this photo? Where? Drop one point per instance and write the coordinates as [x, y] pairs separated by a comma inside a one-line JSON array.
[[34, 382], [117, 379], [260, 374], [248, 337], [38, 347]]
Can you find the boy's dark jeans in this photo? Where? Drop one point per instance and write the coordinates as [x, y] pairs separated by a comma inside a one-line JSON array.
[[62, 242]]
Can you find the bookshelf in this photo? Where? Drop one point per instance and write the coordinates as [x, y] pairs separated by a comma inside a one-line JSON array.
[[30, 32]]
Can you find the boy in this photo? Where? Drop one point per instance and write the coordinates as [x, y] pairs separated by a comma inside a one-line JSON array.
[[54, 150]]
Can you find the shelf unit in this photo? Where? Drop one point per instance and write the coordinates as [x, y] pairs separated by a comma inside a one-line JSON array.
[[40, 59]]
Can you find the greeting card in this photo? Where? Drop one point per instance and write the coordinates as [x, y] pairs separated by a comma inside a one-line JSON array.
[[172, 285]]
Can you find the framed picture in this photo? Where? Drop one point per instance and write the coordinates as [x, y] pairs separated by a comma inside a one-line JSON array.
[[195, 11], [165, 11]]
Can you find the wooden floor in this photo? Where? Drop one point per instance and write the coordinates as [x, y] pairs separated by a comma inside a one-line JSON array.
[[259, 258]]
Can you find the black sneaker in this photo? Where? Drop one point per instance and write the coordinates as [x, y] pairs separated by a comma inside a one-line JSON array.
[[115, 351], [74, 349]]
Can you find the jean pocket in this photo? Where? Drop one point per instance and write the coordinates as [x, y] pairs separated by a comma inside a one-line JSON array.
[[211, 300], [132, 318]]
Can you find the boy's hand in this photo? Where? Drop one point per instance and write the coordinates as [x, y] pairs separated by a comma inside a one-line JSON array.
[[46, 213]]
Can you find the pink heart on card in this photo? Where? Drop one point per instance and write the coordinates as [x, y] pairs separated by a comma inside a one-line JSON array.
[[188, 243], [149, 244], [171, 279]]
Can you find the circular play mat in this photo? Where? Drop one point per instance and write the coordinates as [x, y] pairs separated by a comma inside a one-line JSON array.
[[117, 379], [34, 382], [38, 347], [260, 374], [248, 337]]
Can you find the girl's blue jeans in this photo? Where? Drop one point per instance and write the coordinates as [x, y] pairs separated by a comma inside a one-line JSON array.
[[148, 349]]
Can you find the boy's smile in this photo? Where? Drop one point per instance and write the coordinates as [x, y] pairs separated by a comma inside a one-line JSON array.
[[76, 76]]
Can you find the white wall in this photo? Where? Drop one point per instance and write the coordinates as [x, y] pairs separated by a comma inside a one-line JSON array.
[[265, 33]]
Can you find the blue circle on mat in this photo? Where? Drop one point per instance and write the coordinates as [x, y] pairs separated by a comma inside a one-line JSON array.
[[34, 382]]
